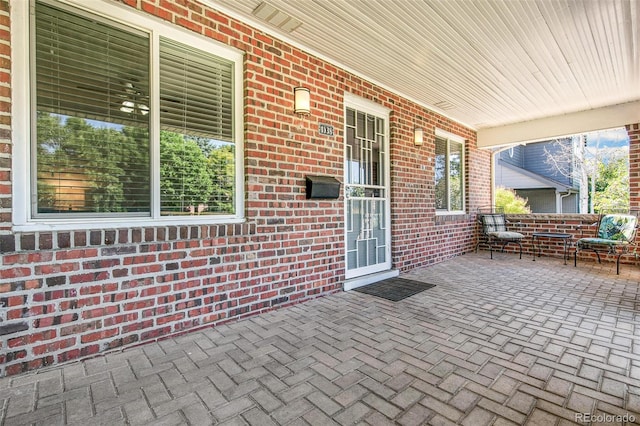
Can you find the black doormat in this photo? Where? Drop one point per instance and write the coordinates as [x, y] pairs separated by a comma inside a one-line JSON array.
[[394, 289]]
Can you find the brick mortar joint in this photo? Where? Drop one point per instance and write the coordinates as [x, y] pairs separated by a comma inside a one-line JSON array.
[[11, 242]]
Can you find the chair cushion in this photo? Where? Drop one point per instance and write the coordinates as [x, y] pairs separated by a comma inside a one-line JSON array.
[[600, 242], [620, 227], [493, 223], [506, 235]]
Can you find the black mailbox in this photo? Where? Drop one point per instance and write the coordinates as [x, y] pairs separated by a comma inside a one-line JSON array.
[[322, 187]]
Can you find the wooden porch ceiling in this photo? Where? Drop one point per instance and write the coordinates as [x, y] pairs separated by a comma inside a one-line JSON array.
[[501, 67]]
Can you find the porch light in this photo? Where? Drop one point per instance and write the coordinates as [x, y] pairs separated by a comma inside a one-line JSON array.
[[418, 136], [302, 101]]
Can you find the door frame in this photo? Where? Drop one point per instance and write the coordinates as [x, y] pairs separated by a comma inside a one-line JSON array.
[[370, 107]]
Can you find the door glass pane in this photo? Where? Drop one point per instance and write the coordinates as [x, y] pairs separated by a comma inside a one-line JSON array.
[[351, 117], [366, 232], [374, 165], [360, 124], [380, 178], [364, 155], [371, 127], [455, 175], [379, 229], [352, 165]]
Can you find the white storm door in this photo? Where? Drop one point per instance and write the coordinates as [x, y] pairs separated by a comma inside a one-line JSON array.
[[366, 185]]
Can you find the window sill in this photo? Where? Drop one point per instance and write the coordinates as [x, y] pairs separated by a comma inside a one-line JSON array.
[[449, 217], [121, 236], [120, 223], [450, 213]]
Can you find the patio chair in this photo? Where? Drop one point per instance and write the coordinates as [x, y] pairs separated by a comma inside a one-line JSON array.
[[615, 235], [493, 230]]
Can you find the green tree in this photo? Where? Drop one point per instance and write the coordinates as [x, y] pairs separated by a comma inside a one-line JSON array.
[[49, 159], [91, 168], [96, 154], [612, 186], [135, 161], [510, 202], [185, 177], [221, 163], [86, 166]]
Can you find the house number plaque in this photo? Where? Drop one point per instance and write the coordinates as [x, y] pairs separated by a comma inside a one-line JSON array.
[[325, 129]]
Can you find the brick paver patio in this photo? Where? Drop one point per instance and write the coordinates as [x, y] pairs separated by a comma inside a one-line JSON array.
[[499, 342]]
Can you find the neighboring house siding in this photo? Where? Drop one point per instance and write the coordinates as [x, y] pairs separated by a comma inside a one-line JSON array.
[[532, 157], [513, 155], [527, 171], [65, 295], [539, 200], [570, 203], [544, 201], [535, 160], [510, 178]]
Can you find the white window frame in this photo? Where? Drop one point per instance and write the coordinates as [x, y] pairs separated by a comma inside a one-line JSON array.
[[21, 118], [450, 137]]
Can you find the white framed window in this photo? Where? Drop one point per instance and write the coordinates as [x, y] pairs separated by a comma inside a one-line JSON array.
[[449, 173], [128, 119]]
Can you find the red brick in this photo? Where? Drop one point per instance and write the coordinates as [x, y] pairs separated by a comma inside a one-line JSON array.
[[128, 328], [76, 254], [89, 277], [148, 6], [54, 346], [6, 274], [98, 335]]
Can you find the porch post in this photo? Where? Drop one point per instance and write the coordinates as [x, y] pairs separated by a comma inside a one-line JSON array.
[[633, 130]]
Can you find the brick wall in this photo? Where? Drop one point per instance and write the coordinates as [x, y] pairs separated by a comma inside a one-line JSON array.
[[71, 294]]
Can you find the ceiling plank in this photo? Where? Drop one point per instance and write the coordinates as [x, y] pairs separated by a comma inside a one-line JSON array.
[[496, 62]]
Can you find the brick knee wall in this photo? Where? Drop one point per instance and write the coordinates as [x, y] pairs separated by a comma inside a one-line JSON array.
[[70, 294], [79, 298]]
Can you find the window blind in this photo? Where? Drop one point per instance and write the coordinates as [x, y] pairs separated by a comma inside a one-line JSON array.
[[196, 92], [86, 68], [197, 140], [92, 115]]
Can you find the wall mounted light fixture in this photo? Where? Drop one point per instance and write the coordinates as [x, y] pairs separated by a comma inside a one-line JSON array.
[[302, 101], [418, 136]]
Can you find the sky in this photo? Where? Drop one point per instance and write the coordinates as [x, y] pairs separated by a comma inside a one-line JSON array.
[[613, 138]]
